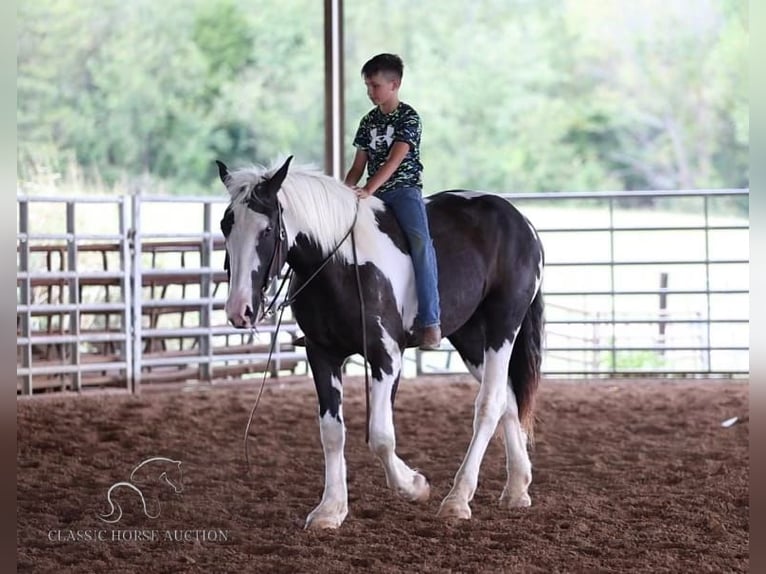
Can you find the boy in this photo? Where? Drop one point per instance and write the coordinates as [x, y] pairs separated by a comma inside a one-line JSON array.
[[388, 143]]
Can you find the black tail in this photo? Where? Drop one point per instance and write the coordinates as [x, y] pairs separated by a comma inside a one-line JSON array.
[[526, 358]]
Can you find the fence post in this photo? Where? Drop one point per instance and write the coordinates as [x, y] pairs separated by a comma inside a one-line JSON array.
[[127, 291], [612, 288], [137, 291], [26, 295], [206, 311], [74, 293], [663, 314], [707, 283]]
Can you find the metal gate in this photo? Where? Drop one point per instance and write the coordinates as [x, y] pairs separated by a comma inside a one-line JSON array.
[[124, 292]]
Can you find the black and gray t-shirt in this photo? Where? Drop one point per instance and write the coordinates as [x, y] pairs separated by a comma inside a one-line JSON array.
[[376, 134]]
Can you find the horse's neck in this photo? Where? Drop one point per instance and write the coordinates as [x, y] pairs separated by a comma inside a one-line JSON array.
[[305, 257]]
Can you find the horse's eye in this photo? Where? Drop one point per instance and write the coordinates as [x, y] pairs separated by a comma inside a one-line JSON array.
[[267, 230]]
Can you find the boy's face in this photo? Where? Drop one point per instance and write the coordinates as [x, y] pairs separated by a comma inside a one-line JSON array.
[[381, 88]]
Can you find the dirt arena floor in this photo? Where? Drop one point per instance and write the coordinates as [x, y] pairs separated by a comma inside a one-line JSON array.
[[629, 476]]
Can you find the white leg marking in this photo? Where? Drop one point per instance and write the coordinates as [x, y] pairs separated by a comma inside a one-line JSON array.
[[489, 407], [476, 370], [334, 506], [518, 465], [406, 482]]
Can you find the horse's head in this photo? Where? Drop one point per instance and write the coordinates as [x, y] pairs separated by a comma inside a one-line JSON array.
[[176, 477], [255, 240]]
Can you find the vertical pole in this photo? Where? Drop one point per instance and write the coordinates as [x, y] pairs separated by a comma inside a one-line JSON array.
[[333, 74], [127, 291], [74, 293], [418, 362], [707, 281], [611, 285], [26, 294], [137, 293], [206, 311], [663, 314]]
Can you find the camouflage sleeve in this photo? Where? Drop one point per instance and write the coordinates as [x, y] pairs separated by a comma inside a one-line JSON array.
[[362, 138], [408, 129]]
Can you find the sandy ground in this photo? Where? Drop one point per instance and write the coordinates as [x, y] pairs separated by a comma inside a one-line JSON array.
[[628, 476]]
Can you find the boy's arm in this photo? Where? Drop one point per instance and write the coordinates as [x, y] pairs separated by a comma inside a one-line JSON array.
[[398, 152], [357, 168]]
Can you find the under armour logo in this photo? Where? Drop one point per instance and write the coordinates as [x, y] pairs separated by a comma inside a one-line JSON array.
[[386, 138]]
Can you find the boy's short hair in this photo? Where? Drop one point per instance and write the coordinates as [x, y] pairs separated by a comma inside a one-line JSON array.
[[389, 64]]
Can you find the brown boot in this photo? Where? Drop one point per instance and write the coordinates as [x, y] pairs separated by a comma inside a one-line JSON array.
[[431, 338]]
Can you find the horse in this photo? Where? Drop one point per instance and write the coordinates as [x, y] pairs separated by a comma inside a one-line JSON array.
[[490, 266]]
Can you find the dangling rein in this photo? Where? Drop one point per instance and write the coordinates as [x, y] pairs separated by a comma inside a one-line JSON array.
[[289, 300]]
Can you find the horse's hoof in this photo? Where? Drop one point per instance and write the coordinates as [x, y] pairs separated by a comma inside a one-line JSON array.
[[452, 509], [516, 501], [327, 516], [421, 489], [323, 522]]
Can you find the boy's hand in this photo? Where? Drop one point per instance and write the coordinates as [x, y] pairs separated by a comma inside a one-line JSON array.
[[361, 192]]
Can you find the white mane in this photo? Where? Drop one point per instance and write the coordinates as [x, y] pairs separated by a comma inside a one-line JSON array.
[[317, 205]]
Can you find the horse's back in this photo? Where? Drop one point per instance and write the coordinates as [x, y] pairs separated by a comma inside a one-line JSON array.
[[460, 219]]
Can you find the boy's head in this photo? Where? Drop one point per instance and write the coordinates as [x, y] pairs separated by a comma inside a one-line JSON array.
[[389, 65], [383, 76]]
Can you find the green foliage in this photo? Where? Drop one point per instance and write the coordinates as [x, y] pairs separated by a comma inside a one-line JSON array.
[[633, 361], [515, 96], [223, 36]]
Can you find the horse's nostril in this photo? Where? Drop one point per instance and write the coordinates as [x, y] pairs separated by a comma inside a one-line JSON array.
[[249, 312]]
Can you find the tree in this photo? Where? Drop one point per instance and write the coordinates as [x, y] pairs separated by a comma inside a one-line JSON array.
[[549, 95]]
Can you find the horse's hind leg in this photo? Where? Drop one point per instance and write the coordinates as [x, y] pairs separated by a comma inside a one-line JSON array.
[[469, 342], [518, 465], [333, 508], [386, 365], [489, 407]]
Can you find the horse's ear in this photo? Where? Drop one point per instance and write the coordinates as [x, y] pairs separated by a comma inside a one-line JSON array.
[[223, 171], [279, 177]]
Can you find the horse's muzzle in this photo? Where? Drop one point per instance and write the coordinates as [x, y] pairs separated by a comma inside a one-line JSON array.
[[240, 313], [245, 320]]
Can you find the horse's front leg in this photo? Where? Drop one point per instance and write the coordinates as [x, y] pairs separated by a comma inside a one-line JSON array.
[[386, 365], [333, 508]]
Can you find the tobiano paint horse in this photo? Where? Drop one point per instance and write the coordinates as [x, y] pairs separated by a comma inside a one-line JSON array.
[[490, 264]]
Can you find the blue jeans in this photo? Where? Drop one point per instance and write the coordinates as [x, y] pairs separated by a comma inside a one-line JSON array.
[[410, 211]]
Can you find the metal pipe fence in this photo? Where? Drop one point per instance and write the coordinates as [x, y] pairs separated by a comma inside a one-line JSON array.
[[128, 291], [658, 288]]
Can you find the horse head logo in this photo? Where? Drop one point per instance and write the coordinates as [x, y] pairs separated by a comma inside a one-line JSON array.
[[171, 475]]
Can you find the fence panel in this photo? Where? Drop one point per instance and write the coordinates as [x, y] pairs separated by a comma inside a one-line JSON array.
[[129, 291], [73, 315], [639, 283]]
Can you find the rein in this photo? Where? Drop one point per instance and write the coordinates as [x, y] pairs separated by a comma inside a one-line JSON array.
[[289, 300]]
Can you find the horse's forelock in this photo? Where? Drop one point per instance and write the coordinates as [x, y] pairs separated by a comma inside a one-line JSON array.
[[242, 182]]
